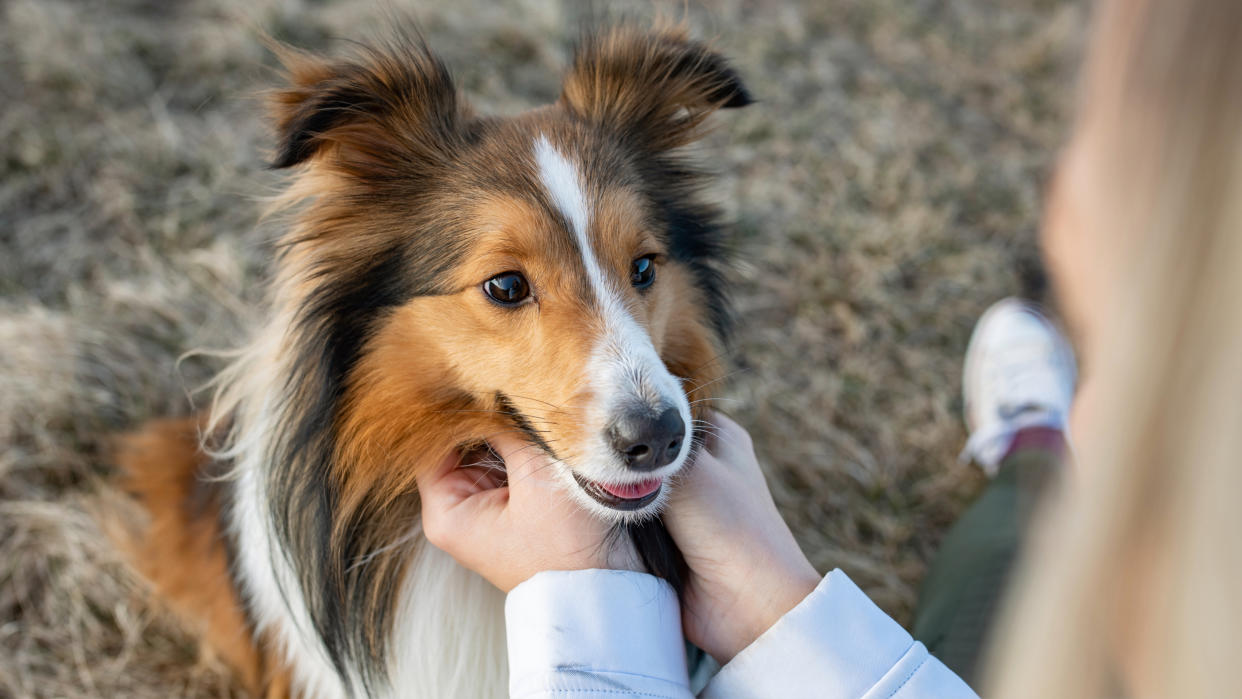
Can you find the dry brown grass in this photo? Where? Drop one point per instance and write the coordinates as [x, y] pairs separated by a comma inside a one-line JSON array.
[[886, 189]]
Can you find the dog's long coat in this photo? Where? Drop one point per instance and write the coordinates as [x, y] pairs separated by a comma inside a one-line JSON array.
[[445, 277]]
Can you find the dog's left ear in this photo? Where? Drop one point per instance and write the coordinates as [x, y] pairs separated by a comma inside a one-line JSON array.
[[656, 89]]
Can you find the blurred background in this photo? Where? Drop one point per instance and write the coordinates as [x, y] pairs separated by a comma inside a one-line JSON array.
[[885, 189]]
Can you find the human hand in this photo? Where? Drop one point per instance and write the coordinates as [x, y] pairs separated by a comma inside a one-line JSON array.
[[509, 532], [746, 570]]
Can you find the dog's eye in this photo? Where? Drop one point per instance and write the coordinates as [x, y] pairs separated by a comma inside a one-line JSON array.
[[509, 288], [642, 273]]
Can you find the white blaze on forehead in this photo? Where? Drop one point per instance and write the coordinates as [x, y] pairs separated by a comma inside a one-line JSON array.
[[561, 180]]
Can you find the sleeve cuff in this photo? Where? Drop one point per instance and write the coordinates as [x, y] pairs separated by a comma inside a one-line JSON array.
[[592, 630], [836, 644]]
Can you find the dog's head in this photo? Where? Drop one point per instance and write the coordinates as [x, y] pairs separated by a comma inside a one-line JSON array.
[[552, 273]]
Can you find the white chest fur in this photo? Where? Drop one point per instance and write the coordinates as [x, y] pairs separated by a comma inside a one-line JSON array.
[[448, 638]]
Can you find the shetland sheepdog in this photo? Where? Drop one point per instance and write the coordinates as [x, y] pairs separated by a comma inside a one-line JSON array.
[[445, 276]]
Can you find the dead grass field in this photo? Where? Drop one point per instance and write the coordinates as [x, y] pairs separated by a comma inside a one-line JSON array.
[[885, 190]]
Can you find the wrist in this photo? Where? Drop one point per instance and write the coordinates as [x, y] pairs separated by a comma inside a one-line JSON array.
[[768, 598]]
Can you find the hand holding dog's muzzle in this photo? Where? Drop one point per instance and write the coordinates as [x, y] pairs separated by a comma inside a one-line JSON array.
[[746, 569], [508, 529]]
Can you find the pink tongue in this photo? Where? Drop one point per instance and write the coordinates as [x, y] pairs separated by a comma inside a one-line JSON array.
[[634, 490]]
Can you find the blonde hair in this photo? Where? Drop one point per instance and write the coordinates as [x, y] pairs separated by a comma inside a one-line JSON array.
[[1132, 584]]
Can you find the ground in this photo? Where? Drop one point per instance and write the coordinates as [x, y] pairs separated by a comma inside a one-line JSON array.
[[885, 189]]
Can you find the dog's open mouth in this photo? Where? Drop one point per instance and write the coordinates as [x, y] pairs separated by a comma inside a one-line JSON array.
[[633, 496]]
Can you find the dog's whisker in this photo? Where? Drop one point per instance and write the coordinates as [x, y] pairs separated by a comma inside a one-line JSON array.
[[717, 399], [714, 381]]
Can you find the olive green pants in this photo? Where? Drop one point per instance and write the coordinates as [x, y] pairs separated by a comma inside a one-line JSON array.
[[966, 583]]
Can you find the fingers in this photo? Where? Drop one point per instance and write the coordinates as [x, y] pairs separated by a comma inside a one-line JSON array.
[[523, 460], [731, 431], [461, 529], [453, 498], [724, 435], [534, 487], [438, 484], [722, 421], [451, 481]]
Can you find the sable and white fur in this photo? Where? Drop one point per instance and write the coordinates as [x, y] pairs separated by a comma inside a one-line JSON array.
[[290, 537]]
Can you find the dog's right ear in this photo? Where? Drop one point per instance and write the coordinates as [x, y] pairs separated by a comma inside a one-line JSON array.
[[359, 111], [655, 88]]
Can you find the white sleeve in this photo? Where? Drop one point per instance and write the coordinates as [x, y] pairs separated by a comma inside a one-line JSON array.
[[597, 634], [836, 644]]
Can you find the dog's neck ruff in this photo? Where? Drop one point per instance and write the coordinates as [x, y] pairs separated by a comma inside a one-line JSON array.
[[447, 638]]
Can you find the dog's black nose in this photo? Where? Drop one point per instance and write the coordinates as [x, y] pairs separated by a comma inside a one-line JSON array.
[[646, 442]]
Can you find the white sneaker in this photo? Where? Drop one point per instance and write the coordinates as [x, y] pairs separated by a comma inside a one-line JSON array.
[[1019, 373]]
